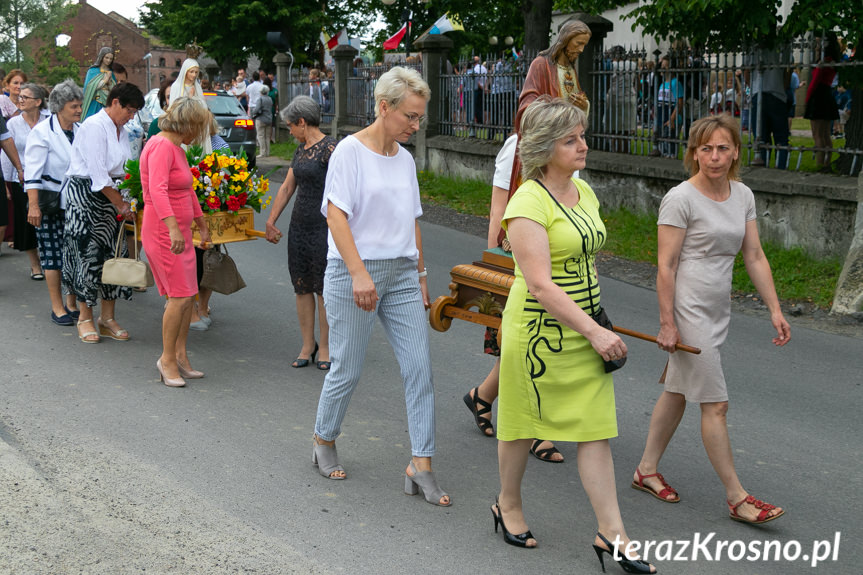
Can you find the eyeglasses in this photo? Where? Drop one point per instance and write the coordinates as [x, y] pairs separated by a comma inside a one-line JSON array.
[[413, 118], [23, 98]]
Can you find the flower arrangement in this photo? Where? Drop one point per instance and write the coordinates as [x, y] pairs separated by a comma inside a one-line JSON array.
[[222, 182], [226, 183]]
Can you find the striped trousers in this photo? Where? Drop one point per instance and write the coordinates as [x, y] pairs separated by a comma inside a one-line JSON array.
[[405, 322]]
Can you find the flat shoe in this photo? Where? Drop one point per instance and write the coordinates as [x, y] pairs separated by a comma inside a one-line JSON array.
[[74, 314], [37, 276], [662, 495], [199, 325], [64, 319], [763, 514], [544, 454]]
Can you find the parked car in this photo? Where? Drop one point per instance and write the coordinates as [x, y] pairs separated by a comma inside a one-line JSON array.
[[237, 128]]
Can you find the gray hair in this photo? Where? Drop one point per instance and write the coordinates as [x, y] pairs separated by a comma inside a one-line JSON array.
[[63, 93], [302, 107], [545, 121], [38, 92], [396, 84]]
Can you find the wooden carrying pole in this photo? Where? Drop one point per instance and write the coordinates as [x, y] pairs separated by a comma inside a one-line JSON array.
[[646, 337]]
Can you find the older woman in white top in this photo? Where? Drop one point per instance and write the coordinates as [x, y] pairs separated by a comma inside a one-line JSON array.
[[46, 160], [375, 270], [93, 203], [31, 101]]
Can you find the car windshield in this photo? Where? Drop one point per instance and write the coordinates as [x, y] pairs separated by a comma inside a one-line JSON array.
[[223, 105]]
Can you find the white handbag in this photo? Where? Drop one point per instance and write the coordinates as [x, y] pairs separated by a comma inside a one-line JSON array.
[[130, 272]]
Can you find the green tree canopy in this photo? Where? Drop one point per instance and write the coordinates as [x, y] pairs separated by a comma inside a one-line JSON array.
[[19, 17]]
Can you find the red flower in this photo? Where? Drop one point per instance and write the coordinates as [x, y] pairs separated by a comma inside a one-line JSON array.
[[213, 202], [127, 176], [243, 198], [196, 173], [233, 203]]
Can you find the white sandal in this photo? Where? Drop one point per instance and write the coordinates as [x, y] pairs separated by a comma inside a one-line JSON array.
[[83, 336]]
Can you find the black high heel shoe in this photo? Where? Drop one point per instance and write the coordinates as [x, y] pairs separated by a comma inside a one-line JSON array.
[[628, 565], [303, 362], [517, 540]]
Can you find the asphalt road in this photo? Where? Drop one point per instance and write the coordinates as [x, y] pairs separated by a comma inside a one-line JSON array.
[[105, 470]]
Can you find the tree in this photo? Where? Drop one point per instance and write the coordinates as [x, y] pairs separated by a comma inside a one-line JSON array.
[[19, 17]]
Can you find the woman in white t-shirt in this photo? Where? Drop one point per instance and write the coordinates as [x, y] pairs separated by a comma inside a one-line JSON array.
[[375, 270]]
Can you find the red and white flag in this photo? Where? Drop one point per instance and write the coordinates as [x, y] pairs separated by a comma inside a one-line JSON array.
[[340, 38], [393, 41]]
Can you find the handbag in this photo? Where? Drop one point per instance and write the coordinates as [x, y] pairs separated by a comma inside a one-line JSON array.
[[49, 202], [601, 318], [131, 272], [220, 272]]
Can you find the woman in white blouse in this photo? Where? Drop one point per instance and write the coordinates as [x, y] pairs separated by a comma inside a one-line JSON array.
[[31, 102], [46, 160], [93, 203], [375, 270]]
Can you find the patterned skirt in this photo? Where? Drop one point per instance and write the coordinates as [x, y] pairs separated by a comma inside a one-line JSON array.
[[90, 238]]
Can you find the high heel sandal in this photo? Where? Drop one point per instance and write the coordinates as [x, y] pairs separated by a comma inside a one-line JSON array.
[[517, 540], [628, 565], [178, 382], [479, 407], [426, 481], [303, 362], [326, 459]]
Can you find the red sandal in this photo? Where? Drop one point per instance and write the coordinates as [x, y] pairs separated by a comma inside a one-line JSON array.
[[763, 515], [667, 489]]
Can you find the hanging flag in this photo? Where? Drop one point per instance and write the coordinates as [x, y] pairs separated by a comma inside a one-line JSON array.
[[514, 53], [340, 38], [325, 38], [393, 41], [446, 23]]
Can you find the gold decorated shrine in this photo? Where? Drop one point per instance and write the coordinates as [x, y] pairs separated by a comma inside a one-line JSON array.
[[478, 292]]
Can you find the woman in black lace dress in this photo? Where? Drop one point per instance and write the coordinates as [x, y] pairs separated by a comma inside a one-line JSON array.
[[307, 234]]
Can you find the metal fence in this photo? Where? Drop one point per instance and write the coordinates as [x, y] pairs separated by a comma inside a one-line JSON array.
[[634, 96], [361, 90], [320, 90], [644, 106], [479, 98]]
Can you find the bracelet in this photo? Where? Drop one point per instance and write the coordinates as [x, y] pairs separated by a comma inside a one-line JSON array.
[[423, 273]]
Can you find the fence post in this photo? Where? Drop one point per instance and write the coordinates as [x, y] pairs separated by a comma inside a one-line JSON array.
[[343, 55], [281, 60], [599, 29], [848, 298], [434, 48]]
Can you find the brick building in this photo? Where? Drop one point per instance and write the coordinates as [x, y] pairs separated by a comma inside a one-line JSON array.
[[91, 30]]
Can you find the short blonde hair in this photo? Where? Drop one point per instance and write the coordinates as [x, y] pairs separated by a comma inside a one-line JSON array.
[[545, 121], [701, 131], [395, 85], [187, 117]]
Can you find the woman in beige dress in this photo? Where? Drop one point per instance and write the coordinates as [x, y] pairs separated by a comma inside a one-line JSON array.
[[703, 223]]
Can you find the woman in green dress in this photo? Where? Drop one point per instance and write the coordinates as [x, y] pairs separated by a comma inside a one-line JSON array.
[[98, 83], [552, 378]]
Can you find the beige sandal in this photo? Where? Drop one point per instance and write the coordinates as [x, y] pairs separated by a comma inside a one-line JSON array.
[[87, 336], [119, 335]]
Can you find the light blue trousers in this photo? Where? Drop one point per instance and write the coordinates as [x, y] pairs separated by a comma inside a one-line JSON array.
[[405, 322]]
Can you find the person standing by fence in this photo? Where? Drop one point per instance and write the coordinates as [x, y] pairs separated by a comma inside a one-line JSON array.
[[480, 78]]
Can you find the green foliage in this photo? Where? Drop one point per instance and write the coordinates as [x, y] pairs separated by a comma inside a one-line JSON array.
[[465, 196], [798, 276], [731, 24], [53, 64], [630, 235], [20, 17]]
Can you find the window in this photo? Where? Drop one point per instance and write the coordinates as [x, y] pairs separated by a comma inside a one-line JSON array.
[[177, 63], [162, 62]]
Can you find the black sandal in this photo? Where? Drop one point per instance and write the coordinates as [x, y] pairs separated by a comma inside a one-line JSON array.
[[544, 454], [479, 407]]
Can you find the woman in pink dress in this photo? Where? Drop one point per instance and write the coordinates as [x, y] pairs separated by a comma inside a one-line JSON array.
[[171, 206]]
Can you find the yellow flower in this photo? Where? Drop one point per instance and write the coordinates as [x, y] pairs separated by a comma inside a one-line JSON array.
[[224, 161]]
